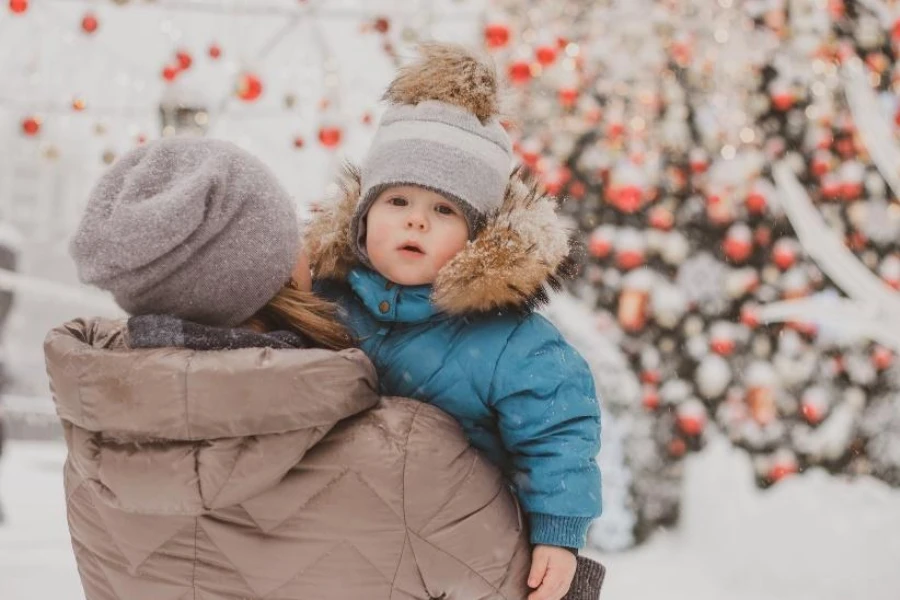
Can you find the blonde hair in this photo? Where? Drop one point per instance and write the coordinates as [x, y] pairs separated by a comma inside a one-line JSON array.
[[304, 313]]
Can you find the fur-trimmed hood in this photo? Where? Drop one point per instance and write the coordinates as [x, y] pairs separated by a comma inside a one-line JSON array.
[[522, 252]]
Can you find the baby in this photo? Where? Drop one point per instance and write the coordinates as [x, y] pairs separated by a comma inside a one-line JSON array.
[[438, 255]]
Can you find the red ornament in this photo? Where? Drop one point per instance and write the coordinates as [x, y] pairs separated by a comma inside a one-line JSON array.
[[568, 96], [650, 399], [330, 136], [577, 190], [78, 104], [89, 23], [599, 245], [31, 126], [382, 25], [782, 469], [519, 72], [882, 357], [811, 412], [496, 35], [545, 55], [299, 142], [782, 101], [170, 73], [214, 51], [629, 259], [784, 254], [722, 346], [756, 202], [17, 7], [691, 424], [628, 198], [738, 245], [750, 316], [651, 376], [367, 118], [250, 87], [661, 218], [677, 447], [184, 59]]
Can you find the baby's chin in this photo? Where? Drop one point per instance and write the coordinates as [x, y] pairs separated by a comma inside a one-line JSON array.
[[401, 276]]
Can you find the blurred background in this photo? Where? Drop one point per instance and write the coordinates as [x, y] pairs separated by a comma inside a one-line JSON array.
[[733, 168]]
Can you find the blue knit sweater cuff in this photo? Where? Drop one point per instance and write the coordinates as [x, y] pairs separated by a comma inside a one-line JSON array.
[[550, 530]]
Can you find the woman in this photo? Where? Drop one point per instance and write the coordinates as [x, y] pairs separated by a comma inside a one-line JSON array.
[[225, 442]]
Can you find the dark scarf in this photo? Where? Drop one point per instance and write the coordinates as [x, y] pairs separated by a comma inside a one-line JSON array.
[[164, 331]]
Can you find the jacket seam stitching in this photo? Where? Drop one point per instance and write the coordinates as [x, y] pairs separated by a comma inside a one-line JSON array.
[[460, 561], [412, 424], [194, 570], [456, 493], [497, 364]]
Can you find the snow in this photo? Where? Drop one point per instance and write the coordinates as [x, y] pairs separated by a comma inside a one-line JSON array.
[[813, 537]]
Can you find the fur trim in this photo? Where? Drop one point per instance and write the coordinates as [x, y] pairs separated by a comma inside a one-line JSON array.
[[327, 237], [452, 74], [522, 252]]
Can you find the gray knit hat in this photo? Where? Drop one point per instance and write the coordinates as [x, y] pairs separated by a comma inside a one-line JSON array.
[[442, 133], [194, 228]]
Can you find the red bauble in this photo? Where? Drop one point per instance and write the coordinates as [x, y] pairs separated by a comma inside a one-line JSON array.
[[882, 358], [722, 346], [519, 72], [496, 35], [677, 448], [330, 136], [382, 25], [214, 51], [577, 190], [17, 7], [783, 101], [650, 399], [629, 259], [691, 424], [628, 198], [782, 469], [299, 142], [651, 376], [811, 412], [89, 23], [568, 96], [784, 255], [737, 247], [599, 245], [661, 218], [31, 126], [366, 118], [170, 72], [750, 317], [184, 59], [250, 87], [756, 202], [545, 55]]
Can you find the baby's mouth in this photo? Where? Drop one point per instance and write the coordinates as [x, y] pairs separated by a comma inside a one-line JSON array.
[[410, 247]]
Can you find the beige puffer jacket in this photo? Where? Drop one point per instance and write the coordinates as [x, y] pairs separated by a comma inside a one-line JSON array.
[[276, 474]]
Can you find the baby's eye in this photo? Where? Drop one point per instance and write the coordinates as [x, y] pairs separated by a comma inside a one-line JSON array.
[[397, 201], [445, 210]]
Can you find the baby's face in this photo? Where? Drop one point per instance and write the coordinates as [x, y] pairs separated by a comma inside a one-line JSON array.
[[413, 232]]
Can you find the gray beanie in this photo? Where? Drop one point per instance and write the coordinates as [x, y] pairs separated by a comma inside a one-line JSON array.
[[194, 228], [442, 133]]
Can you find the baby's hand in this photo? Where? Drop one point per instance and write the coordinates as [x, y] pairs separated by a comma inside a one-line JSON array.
[[552, 570]]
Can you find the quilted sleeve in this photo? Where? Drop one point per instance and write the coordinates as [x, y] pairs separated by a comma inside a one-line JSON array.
[[549, 419], [465, 530]]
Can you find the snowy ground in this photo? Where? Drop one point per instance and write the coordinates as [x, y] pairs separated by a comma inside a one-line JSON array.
[[814, 537]]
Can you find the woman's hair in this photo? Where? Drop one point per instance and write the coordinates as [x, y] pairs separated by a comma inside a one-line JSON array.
[[304, 313]]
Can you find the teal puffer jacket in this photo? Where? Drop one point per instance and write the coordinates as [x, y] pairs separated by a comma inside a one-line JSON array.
[[471, 345]]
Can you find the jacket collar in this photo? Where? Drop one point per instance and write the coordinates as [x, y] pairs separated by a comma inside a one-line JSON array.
[[522, 251], [387, 301]]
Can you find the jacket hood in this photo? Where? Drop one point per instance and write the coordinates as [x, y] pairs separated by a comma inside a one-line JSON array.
[[523, 251], [171, 430]]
